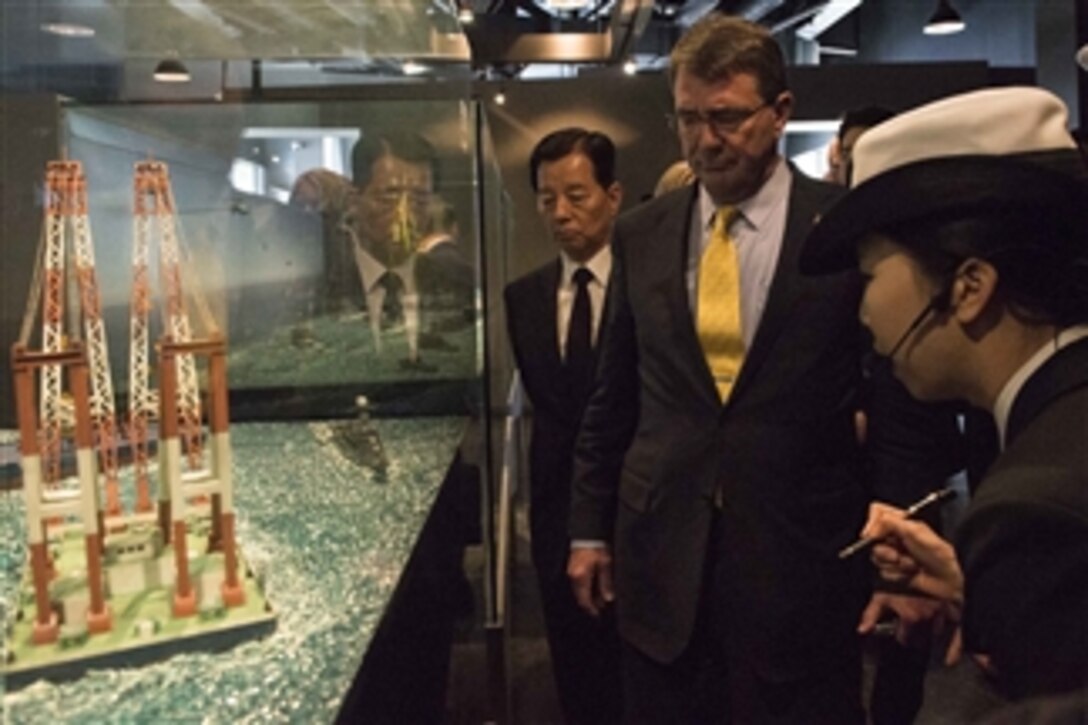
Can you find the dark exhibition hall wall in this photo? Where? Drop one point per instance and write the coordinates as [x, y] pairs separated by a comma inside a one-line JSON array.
[[1006, 34], [631, 110], [1000, 31]]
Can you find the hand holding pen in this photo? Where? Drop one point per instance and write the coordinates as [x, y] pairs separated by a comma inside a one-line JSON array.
[[909, 552], [936, 498]]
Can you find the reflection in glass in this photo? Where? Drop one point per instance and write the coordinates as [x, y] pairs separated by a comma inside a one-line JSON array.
[[327, 244]]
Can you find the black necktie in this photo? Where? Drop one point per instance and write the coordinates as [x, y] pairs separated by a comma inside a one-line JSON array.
[[579, 360], [392, 307]]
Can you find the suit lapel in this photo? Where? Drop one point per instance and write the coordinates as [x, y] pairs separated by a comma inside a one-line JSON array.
[[785, 286], [600, 326], [548, 316], [677, 225]]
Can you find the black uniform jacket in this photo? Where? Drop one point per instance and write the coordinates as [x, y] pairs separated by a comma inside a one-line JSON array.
[[1023, 544], [531, 312]]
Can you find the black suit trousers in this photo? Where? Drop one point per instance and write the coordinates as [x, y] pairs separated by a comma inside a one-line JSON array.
[[584, 652], [714, 682]]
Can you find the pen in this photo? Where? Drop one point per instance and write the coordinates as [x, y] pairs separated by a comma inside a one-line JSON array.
[[931, 499]]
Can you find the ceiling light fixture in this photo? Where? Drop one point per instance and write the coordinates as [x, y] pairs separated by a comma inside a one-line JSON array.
[[171, 70], [566, 5], [630, 67], [412, 68], [500, 99], [465, 16], [945, 20], [68, 30]]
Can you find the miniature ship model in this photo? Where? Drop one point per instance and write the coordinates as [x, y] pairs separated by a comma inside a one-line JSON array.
[[123, 555]]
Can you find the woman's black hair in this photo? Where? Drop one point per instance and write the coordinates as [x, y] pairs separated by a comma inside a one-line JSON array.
[[1041, 259]]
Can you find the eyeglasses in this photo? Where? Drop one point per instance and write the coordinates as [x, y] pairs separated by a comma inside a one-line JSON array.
[[392, 195], [722, 121]]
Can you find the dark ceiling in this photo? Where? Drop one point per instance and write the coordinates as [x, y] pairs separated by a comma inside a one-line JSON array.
[[647, 28], [346, 37], [344, 42]]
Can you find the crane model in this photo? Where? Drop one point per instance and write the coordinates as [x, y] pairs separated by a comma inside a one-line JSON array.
[[179, 392], [66, 225], [90, 407], [121, 559], [154, 209]]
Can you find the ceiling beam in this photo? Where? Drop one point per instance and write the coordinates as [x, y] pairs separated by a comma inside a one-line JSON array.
[[501, 39], [829, 14], [628, 23]]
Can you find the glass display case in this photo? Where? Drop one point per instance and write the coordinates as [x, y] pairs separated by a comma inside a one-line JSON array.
[[251, 368], [275, 234]]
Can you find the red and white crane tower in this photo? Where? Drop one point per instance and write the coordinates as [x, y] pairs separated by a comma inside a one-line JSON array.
[[66, 211], [177, 401], [89, 411]]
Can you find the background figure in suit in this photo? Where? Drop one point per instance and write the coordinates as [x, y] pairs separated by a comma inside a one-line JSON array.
[[554, 315], [855, 122], [989, 256], [387, 216], [326, 194], [720, 498], [678, 175], [899, 679]]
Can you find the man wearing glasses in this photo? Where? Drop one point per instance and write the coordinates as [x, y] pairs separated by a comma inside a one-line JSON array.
[[386, 218], [717, 469]]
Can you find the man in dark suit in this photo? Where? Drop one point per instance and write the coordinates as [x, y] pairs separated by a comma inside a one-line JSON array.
[[554, 316], [900, 667], [717, 470], [977, 290], [387, 216]]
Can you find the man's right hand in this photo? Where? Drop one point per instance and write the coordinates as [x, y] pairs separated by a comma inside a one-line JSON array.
[[590, 572]]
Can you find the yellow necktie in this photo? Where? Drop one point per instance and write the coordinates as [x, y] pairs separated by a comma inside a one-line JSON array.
[[717, 312]]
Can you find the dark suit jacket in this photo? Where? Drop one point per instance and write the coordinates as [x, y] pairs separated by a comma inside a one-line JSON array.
[[531, 311], [1023, 543], [444, 270], [656, 443]]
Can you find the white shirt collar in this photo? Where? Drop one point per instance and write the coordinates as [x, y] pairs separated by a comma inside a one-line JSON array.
[[600, 264], [756, 209], [372, 270], [1007, 396]]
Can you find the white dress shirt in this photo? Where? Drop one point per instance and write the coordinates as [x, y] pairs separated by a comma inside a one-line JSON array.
[[370, 272], [600, 266]]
